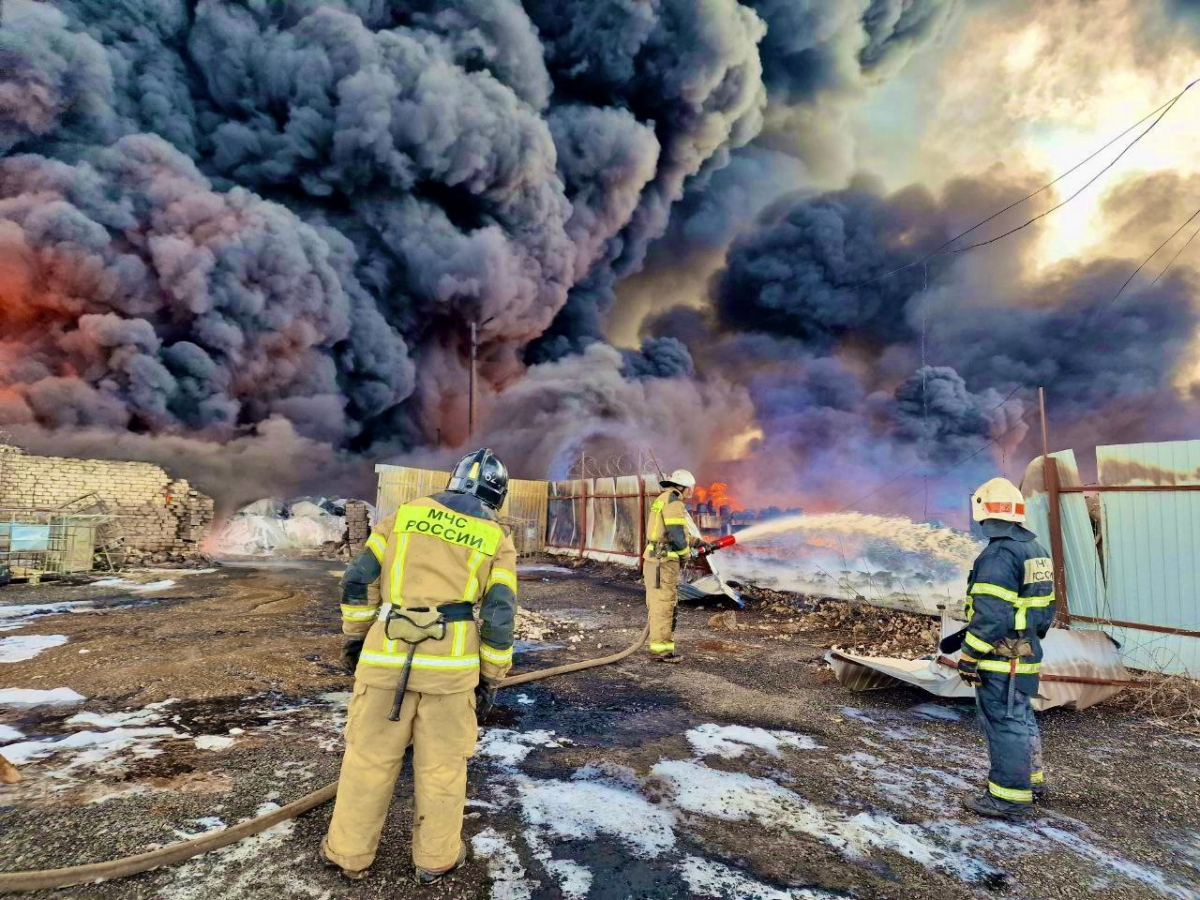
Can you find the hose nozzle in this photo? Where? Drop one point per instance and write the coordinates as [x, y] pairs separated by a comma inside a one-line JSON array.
[[719, 544]]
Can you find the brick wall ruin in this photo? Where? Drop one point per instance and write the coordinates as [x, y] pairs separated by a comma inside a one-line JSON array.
[[156, 515]]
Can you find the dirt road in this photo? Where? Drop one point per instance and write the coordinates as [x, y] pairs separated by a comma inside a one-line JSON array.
[[742, 773]]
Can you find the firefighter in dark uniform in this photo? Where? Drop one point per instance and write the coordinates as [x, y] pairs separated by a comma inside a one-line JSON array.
[[1010, 605]]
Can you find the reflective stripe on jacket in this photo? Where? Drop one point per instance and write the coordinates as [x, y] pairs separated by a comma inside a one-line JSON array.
[[429, 555], [666, 528]]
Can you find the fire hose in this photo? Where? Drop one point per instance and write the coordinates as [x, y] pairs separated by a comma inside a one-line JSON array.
[[173, 854]]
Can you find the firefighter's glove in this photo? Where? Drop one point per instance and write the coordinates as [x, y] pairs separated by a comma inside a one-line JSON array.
[[968, 671], [350, 653], [485, 699]]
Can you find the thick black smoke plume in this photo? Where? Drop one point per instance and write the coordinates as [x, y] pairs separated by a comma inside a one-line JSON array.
[[858, 372], [214, 213]]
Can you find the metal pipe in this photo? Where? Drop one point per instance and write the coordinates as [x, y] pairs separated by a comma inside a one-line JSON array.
[[1050, 483], [1045, 440], [1138, 626], [471, 382], [1112, 488], [1056, 540]]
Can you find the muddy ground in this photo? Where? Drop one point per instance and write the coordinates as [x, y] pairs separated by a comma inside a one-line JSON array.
[[745, 772]]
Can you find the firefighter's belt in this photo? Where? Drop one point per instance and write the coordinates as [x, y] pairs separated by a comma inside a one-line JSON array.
[[414, 624], [1010, 648]]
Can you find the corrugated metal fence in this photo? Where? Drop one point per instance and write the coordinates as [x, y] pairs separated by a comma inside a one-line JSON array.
[[1139, 581], [524, 511]]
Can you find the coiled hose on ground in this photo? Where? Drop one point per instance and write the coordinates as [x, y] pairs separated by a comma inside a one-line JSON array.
[[46, 879]]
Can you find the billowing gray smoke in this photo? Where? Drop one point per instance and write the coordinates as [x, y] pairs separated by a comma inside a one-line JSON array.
[[857, 374], [214, 213]]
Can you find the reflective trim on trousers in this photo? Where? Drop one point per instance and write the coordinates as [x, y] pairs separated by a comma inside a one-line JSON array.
[[1012, 795], [662, 646]]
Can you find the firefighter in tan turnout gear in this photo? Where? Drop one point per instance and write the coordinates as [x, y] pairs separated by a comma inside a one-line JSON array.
[[668, 542], [425, 671]]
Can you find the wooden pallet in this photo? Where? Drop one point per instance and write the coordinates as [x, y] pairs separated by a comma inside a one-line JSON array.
[[23, 575]]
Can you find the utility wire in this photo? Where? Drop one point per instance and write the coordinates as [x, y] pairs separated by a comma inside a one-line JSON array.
[[1086, 184], [1176, 256], [1159, 111], [1145, 262]]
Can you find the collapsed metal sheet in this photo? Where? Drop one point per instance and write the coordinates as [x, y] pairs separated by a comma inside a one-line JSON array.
[[1068, 654], [710, 585]]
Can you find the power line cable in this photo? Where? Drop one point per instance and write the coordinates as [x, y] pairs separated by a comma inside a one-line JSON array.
[[1176, 256], [1086, 185], [1144, 263], [1163, 109]]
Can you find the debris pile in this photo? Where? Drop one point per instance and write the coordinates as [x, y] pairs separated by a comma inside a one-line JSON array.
[[836, 624], [271, 527], [1170, 700], [531, 626]]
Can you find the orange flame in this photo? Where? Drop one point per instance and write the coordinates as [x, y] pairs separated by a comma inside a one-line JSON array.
[[718, 495]]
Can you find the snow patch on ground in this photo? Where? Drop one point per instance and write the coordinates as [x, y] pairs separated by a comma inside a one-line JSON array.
[[574, 880], [511, 747], [27, 646], [152, 712], [14, 617], [731, 741], [214, 742], [92, 749], [248, 870], [706, 878], [8, 734], [934, 712], [582, 810], [29, 697], [510, 881], [126, 585], [1116, 865], [548, 570], [736, 796], [911, 786]]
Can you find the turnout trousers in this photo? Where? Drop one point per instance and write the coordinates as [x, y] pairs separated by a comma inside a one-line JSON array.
[[442, 731], [662, 593], [1013, 740]]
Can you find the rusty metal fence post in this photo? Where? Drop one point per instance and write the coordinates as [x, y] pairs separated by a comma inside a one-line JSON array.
[[1054, 498]]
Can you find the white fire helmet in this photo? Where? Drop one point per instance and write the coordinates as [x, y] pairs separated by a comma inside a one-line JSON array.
[[998, 499], [681, 477]]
